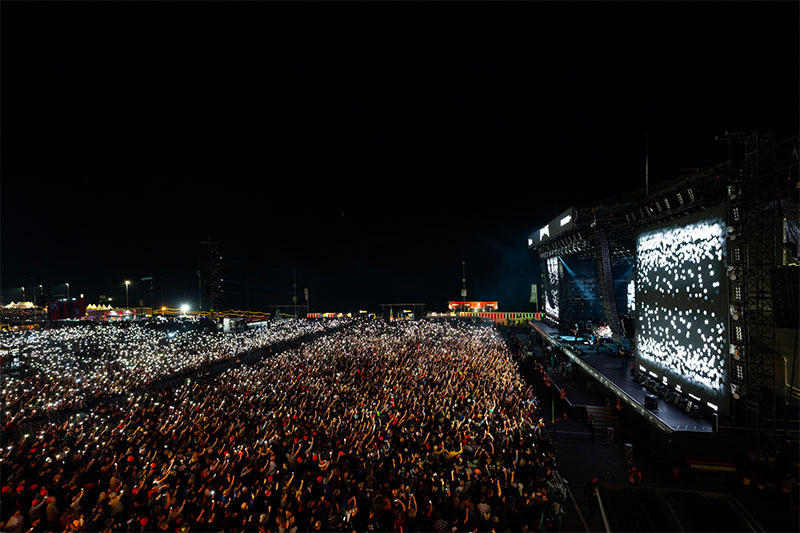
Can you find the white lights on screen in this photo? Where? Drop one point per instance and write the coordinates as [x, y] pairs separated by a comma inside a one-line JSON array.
[[544, 232], [631, 296], [566, 220], [553, 281], [681, 331]]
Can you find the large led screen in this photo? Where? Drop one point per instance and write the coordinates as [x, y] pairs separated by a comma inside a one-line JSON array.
[[552, 287], [681, 303]]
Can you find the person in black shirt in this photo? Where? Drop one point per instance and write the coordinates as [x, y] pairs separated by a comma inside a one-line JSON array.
[[590, 493]]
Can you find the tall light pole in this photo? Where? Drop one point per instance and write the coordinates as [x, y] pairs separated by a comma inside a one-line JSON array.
[[463, 286], [23, 293], [127, 284], [67, 284], [294, 290]]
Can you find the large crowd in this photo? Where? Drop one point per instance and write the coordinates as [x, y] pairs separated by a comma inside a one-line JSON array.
[[67, 368], [413, 426]]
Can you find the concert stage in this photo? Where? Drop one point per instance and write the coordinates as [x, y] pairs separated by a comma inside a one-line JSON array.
[[605, 367]]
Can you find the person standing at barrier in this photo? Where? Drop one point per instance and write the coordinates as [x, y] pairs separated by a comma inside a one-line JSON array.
[[624, 356], [634, 476], [590, 493]]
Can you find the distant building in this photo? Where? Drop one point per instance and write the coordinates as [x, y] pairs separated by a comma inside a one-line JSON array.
[[472, 307], [21, 312], [110, 314]]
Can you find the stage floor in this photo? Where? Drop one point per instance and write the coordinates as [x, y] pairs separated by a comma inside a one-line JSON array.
[[608, 365]]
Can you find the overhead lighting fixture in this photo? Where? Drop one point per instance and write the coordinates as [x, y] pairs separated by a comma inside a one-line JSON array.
[[544, 232]]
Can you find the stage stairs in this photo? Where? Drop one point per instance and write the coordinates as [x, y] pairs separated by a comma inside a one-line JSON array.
[[604, 417]]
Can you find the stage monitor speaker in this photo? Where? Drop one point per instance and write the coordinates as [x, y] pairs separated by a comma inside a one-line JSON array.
[[786, 296], [651, 402]]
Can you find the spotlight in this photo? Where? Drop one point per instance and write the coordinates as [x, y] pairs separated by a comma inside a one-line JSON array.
[[735, 390]]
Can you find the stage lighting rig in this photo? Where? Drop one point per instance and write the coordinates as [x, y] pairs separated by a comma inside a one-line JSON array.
[[737, 292], [735, 254], [737, 352], [734, 272], [738, 333], [736, 391]]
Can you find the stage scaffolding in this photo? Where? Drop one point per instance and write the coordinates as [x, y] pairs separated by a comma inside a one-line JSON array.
[[762, 172], [751, 185]]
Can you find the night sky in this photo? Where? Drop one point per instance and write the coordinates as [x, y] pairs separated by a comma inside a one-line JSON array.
[[371, 146]]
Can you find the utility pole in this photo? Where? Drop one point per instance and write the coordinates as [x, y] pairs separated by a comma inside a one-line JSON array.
[[463, 286], [214, 273], [294, 290], [199, 291]]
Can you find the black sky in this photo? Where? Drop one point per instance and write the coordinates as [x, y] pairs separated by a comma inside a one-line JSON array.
[[373, 146]]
